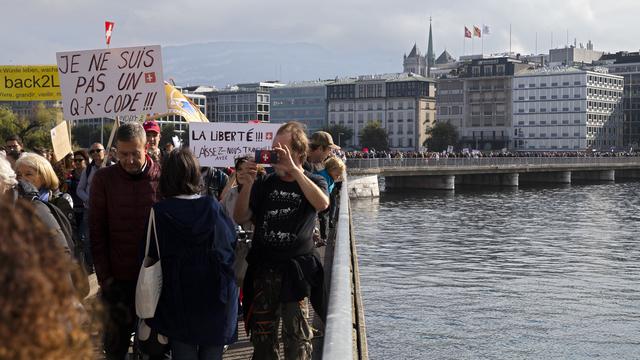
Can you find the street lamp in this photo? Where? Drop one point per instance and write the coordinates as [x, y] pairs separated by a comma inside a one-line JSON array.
[[340, 142]]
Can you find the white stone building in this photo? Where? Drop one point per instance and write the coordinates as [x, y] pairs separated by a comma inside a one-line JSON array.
[[404, 104], [567, 109]]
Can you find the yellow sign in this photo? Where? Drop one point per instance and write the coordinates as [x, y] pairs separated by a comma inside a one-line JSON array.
[[29, 83], [60, 140]]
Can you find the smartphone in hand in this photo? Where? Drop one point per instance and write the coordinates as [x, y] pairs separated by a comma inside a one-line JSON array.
[[266, 157]]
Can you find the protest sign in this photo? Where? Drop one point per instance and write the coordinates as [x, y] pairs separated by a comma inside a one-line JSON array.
[[219, 144], [111, 82], [60, 140], [29, 83]]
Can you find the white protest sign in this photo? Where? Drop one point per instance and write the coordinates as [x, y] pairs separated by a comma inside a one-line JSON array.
[[111, 82], [219, 144], [60, 140]]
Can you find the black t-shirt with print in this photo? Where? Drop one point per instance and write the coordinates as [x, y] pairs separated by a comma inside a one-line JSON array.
[[284, 218]]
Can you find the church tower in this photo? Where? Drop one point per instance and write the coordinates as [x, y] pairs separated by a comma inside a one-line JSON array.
[[430, 57], [415, 62]]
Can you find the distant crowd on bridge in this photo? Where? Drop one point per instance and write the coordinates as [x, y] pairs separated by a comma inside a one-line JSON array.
[[373, 154]]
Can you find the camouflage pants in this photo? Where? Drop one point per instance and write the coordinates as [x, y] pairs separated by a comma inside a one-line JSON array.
[[267, 311]]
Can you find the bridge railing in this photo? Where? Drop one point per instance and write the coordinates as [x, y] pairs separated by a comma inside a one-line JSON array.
[[495, 161], [338, 340]]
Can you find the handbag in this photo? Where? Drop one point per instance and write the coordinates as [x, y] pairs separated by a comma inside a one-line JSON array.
[[149, 283]]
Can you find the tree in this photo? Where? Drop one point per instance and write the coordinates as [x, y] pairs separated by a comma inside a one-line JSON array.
[[340, 134], [166, 134], [440, 136], [34, 130], [373, 136]]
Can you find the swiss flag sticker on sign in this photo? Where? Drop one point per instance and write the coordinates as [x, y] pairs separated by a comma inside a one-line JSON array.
[[269, 136], [150, 77]]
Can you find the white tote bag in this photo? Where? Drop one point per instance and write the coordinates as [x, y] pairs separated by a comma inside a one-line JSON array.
[[150, 277]]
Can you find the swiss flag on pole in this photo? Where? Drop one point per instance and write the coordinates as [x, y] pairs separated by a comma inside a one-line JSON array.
[[108, 28]]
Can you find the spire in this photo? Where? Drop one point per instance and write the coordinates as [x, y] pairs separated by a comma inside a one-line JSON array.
[[430, 55]]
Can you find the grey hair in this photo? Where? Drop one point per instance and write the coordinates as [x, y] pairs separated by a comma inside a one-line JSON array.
[[7, 175], [131, 131]]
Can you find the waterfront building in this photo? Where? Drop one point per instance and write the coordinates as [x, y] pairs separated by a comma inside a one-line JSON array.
[[403, 103], [450, 104], [567, 108], [487, 120], [305, 102], [573, 55], [240, 103], [627, 65]]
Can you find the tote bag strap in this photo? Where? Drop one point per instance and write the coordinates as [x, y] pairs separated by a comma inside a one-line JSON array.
[[152, 226]]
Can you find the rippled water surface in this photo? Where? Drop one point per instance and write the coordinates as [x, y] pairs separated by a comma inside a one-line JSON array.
[[528, 273]]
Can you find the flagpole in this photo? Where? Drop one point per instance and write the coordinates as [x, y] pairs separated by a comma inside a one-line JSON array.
[[482, 38], [510, 40]]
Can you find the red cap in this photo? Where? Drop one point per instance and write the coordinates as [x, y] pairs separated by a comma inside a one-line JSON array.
[[151, 126]]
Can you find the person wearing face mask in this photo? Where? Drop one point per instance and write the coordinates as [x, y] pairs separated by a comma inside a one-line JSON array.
[[120, 200]]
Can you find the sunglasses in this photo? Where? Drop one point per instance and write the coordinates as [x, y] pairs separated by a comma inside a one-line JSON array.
[[95, 151], [78, 160]]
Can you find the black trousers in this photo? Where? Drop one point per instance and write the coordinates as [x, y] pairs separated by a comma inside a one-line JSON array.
[[120, 317]]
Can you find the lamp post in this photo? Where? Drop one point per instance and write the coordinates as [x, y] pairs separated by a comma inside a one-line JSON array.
[[340, 142]]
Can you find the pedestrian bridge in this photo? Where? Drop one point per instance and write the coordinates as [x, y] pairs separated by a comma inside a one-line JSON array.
[[419, 173]]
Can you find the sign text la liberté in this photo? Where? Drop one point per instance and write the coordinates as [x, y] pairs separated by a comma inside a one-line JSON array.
[[111, 82], [219, 144]]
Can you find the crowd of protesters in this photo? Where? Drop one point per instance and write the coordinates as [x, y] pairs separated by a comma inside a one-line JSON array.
[[382, 154], [109, 213]]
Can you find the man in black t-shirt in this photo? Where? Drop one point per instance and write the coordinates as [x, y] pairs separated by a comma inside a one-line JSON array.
[[284, 270]]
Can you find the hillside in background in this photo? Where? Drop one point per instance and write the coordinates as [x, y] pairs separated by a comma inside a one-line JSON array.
[[229, 63]]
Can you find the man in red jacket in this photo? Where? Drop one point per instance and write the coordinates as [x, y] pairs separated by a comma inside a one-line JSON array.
[[121, 198]]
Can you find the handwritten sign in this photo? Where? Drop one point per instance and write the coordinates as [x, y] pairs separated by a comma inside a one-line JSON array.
[[111, 82], [29, 83], [60, 140], [219, 144]]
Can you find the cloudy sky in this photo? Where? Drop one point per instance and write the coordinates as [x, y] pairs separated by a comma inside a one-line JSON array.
[[36, 29]]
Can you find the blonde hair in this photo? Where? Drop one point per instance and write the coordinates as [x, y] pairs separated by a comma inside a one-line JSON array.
[[42, 166], [299, 141], [334, 162]]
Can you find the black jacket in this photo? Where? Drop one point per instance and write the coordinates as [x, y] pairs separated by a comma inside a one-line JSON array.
[[26, 191]]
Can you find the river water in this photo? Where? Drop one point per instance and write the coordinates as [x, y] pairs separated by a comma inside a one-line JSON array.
[[524, 273]]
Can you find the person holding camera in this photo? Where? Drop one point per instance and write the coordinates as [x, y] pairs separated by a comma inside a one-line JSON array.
[[284, 269]]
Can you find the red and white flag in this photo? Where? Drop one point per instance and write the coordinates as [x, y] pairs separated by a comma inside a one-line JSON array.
[[108, 28], [467, 32], [476, 31]]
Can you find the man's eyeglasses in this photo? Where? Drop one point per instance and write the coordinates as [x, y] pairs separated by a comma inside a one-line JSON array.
[[78, 160], [95, 151]]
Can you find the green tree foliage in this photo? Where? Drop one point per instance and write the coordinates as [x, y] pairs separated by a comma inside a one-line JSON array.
[[440, 136], [34, 130], [373, 136], [341, 134], [83, 136]]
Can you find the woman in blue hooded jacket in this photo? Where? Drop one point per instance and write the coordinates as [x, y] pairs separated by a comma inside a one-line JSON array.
[[197, 309]]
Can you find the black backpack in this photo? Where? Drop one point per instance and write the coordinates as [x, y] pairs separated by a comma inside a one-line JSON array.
[[65, 226]]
